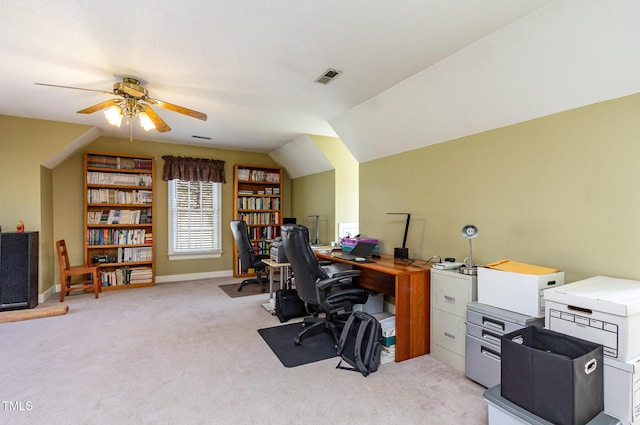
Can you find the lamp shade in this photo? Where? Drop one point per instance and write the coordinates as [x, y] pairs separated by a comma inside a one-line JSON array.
[[114, 115]]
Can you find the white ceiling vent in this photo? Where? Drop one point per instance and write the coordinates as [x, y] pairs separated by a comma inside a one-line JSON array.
[[328, 76]]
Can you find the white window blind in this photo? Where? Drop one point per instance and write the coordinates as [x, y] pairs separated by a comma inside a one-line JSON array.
[[194, 219]]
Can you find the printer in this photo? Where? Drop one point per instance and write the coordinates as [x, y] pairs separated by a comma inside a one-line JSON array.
[[276, 252]]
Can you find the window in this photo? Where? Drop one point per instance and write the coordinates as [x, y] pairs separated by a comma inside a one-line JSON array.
[[194, 219]]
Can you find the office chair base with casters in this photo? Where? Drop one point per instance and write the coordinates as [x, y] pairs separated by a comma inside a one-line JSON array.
[[253, 282], [332, 324]]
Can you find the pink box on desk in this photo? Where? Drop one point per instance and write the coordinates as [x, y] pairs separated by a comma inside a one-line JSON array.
[[349, 243]]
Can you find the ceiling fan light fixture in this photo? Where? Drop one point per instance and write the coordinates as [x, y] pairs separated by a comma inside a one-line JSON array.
[[145, 121], [114, 115]]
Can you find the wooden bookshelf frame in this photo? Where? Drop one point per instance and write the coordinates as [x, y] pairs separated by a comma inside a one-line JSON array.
[[257, 197], [119, 218]]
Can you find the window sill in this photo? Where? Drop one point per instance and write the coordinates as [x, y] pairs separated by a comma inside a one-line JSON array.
[[193, 256]]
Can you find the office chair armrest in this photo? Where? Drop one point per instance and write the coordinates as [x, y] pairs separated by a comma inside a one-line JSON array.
[[323, 284], [347, 273]]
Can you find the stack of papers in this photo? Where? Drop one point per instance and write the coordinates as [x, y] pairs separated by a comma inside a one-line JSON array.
[[388, 353]]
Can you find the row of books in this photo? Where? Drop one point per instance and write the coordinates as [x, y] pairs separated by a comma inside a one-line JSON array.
[[126, 276], [139, 253], [116, 162], [246, 174], [141, 216], [255, 203], [115, 196], [260, 218], [119, 179], [264, 232], [118, 237], [270, 191]]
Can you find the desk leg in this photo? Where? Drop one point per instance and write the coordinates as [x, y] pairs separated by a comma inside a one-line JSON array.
[[271, 278], [412, 316], [284, 275], [271, 305]]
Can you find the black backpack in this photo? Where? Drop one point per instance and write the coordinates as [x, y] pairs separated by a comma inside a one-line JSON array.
[[360, 343]]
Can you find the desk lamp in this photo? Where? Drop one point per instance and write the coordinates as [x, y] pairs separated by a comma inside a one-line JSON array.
[[403, 253], [469, 232]]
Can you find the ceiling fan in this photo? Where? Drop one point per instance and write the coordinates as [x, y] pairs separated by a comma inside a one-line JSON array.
[[133, 101]]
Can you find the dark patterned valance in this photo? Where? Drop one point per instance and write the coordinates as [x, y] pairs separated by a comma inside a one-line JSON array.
[[193, 169]]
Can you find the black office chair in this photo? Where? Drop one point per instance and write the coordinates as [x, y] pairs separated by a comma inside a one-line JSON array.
[[248, 258], [322, 294]]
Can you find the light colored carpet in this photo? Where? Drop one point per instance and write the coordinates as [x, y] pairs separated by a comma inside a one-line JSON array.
[[186, 353]]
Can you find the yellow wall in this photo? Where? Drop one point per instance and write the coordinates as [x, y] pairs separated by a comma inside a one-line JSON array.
[[25, 187], [315, 195], [559, 191], [346, 181], [68, 197]]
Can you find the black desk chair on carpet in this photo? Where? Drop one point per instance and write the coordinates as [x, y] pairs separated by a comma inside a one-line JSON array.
[[321, 293], [248, 258]]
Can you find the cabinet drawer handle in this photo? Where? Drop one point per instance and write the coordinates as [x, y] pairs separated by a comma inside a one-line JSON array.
[[491, 337], [450, 300], [450, 337], [490, 353], [492, 323]]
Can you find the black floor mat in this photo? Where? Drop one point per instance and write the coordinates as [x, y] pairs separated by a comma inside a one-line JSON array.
[[315, 347]]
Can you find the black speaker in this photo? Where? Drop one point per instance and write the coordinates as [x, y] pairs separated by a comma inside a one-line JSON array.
[[18, 270]]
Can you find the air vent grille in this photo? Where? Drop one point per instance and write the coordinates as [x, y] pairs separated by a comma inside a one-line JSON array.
[[328, 76], [201, 137]]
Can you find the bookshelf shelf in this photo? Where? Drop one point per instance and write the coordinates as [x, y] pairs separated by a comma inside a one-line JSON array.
[[257, 194], [118, 218]]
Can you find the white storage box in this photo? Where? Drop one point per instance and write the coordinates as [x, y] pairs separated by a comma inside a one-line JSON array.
[[375, 304], [622, 390], [601, 309], [517, 292]]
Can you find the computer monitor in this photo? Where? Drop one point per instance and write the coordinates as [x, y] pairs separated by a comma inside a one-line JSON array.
[[288, 220]]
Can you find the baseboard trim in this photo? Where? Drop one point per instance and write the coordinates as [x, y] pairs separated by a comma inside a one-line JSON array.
[[193, 276], [48, 293], [55, 289]]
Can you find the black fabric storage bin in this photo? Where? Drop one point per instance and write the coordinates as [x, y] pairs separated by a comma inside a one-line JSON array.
[[552, 375]]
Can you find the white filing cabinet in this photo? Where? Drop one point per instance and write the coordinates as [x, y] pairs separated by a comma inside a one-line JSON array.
[[450, 293]]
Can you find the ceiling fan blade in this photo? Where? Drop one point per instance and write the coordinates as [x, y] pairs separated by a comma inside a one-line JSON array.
[[101, 105], [179, 109], [158, 122], [74, 88]]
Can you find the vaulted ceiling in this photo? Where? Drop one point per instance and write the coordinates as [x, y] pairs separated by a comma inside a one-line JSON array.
[[414, 72]]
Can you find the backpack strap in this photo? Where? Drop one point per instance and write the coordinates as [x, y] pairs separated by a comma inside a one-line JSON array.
[[345, 333], [365, 324]]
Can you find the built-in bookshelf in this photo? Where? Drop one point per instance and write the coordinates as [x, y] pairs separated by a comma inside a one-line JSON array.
[[118, 218], [257, 192]]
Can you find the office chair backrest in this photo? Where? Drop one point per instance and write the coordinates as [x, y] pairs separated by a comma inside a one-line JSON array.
[[245, 249], [304, 263]]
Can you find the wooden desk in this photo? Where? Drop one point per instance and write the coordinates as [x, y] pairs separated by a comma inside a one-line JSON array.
[[410, 285]]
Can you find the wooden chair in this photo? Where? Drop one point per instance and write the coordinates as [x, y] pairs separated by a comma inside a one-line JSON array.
[[90, 275]]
